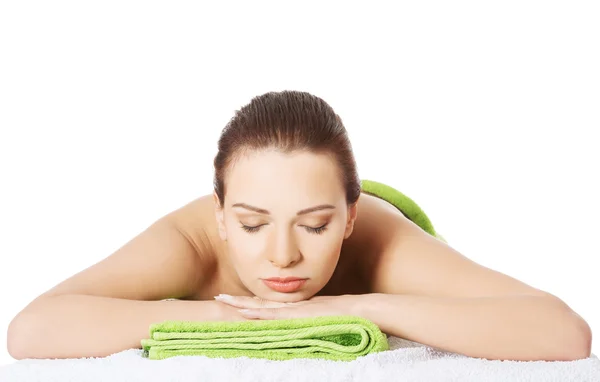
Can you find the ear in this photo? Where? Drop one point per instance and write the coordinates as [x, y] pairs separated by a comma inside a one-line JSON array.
[[352, 214], [219, 212]]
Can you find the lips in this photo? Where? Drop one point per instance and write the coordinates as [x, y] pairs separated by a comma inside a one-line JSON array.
[[285, 284], [284, 279]]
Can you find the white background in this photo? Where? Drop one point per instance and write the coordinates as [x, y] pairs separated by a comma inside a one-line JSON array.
[[487, 115]]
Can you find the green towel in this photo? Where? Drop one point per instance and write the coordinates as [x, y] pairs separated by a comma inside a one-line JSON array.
[[406, 205], [339, 338]]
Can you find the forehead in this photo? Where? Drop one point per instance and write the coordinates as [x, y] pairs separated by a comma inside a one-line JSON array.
[[301, 176]]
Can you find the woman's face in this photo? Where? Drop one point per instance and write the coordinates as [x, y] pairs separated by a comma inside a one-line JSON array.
[[267, 234]]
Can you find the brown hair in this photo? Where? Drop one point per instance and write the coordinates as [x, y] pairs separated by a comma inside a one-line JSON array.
[[287, 121]]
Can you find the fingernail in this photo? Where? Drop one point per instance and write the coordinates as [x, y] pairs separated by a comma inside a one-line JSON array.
[[223, 297]]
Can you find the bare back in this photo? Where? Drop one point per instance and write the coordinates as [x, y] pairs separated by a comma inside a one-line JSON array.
[[352, 275]]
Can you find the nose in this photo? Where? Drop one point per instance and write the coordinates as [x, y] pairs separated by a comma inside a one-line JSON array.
[[286, 252]]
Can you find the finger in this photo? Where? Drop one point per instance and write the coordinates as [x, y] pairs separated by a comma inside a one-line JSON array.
[[248, 302], [267, 313], [301, 302]]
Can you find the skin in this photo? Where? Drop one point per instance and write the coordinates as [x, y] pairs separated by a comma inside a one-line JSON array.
[[282, 243], [380, 266], [370, 261]]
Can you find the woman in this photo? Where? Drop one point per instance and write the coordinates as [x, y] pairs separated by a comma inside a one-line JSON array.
[[288, 233]]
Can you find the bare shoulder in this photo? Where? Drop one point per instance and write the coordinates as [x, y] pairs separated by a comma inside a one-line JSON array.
[[377, 220], [196, 220], [170, 258], [362, 252], [408, 260]]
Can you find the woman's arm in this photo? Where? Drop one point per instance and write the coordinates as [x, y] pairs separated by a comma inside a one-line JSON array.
[[74, 326], [517, 327], [523, 327], [428, 291], [109, 306]]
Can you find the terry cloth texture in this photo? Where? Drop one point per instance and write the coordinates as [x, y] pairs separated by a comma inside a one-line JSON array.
[[339, 338]]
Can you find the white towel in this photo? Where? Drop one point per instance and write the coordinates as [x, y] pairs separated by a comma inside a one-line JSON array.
[[405, 361]]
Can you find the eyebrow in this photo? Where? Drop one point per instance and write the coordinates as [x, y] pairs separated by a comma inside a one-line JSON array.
[[301, 212]]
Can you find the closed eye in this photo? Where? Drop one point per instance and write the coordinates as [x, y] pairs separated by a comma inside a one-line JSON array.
[[250, 229], [317, 231]]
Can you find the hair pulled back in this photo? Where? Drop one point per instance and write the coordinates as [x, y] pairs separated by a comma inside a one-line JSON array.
[[286, 121]]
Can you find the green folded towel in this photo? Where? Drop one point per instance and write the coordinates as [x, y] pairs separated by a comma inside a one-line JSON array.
[[406, 205], [339, 338]]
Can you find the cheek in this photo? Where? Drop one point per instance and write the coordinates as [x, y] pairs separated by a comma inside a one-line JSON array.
[[245, 254], [324, 256], [326, 247]]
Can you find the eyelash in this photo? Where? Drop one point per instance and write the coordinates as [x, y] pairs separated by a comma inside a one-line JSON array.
[[316, 231]]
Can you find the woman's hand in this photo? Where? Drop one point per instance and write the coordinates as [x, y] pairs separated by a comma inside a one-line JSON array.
[[256, 308], [226, 312]]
